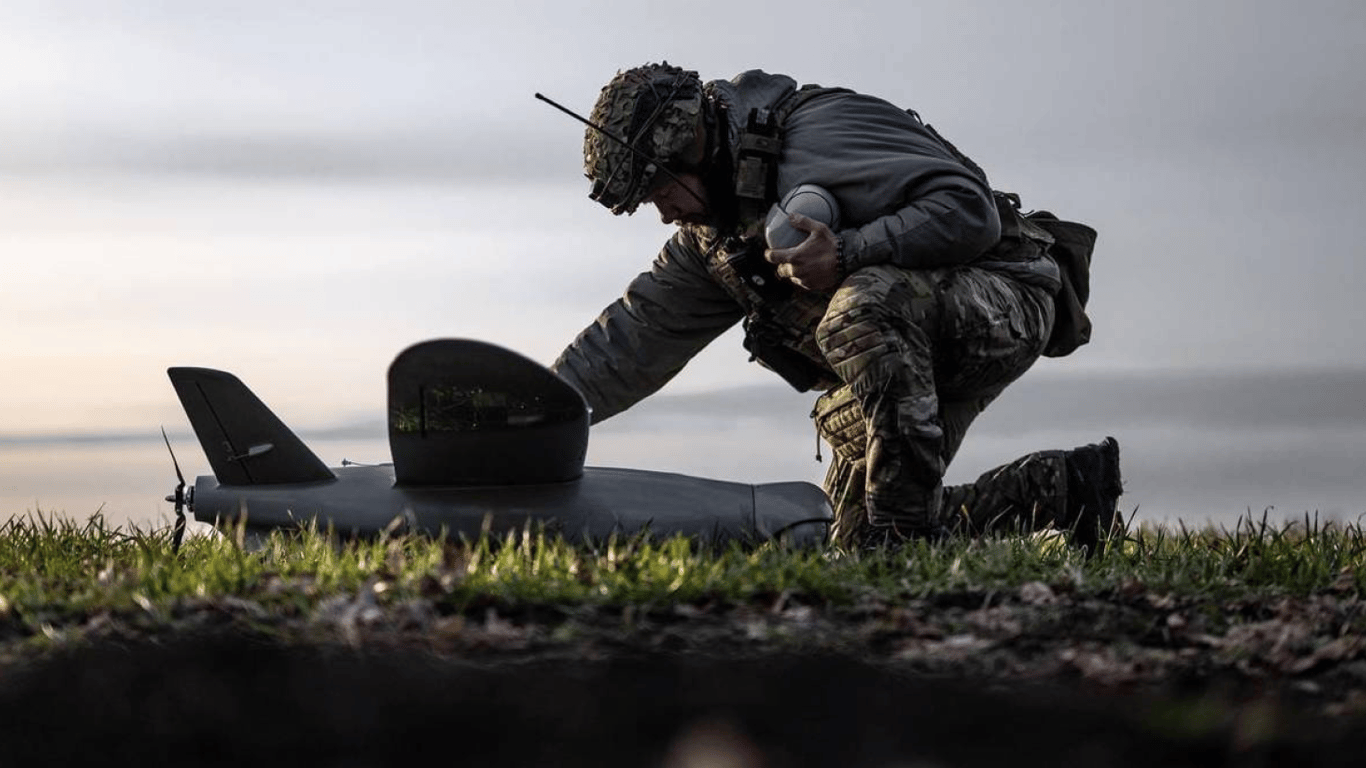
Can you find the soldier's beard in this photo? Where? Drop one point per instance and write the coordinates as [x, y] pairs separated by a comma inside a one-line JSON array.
[[721, 213], [703, 219]]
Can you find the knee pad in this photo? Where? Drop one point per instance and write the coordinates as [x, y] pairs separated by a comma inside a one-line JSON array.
[[877, 305], [855, 324]]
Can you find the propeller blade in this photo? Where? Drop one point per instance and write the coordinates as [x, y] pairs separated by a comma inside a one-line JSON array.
[[174, 463], [178, 533]]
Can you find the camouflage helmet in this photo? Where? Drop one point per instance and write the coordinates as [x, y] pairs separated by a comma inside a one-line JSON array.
[[657, 109]]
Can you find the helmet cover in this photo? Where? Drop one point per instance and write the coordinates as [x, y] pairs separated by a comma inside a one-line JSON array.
[[657, 109]]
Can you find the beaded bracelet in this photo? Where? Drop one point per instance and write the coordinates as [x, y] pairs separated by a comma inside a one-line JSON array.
[[841, 258]]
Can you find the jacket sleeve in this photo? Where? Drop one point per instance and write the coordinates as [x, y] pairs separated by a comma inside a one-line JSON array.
[[643, 339], [904, 197]]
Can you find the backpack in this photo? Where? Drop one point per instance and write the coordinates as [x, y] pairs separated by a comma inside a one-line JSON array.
[[1071, 249]]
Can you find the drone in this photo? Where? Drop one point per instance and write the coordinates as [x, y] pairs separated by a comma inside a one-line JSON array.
[[483, 441]]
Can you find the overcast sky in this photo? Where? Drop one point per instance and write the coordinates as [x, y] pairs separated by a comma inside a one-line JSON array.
[[296, 191]]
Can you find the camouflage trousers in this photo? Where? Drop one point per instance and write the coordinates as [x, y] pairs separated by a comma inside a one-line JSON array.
[[921, 354]]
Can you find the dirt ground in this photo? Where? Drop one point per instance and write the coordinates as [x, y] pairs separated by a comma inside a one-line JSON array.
[[1036, 677]]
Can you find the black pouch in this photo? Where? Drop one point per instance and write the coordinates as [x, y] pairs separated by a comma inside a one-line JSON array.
[[758, 273], [1071, 249], [839, 419], [764, 343]]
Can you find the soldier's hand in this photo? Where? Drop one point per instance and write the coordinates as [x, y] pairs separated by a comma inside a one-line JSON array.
[[811, 264]]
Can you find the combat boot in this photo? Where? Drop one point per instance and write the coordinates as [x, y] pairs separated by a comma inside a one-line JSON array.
[[871, 537], [1093, 489]]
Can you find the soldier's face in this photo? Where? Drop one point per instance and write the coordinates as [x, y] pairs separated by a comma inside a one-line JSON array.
[[681, 201]]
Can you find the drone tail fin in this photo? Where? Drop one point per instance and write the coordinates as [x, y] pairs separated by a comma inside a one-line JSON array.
[[245, 442]]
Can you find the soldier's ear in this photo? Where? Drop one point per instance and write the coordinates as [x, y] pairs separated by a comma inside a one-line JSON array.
[[694, 158], [698, 156]]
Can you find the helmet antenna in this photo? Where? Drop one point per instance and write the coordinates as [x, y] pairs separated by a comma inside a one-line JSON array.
[[624, 143]]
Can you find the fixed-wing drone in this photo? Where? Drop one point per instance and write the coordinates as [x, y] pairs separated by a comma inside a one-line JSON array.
[[481, 437]]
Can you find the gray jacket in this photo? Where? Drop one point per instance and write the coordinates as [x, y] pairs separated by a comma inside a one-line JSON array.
[[903, 197]]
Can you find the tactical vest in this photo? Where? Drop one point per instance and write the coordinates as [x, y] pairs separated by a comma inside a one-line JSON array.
[[780, 320], [780, 323]]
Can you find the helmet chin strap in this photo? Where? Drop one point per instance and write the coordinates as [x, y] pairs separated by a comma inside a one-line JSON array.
[[647, 158]]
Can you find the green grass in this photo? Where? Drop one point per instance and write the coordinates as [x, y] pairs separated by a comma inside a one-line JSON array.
[[57, 571]]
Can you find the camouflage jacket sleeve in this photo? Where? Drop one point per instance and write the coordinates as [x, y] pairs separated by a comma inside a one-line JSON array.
[[905, 198], [644, 339]]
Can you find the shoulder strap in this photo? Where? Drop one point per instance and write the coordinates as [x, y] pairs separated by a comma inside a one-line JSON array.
[[756, 165], [760, 146], [959, 156], [794, 99]]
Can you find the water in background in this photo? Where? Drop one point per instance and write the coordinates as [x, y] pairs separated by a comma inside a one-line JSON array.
[[125, 479], [1210, 462]]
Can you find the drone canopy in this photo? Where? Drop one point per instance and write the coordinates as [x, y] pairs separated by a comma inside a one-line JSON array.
[[468, 413]]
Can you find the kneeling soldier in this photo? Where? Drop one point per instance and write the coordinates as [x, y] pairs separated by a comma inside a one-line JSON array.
[[911, 315]]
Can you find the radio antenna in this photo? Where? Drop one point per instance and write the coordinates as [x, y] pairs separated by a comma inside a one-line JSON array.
[[624, 143]]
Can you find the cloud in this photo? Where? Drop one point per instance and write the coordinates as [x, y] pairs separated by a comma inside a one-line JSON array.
[[467, 152]]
